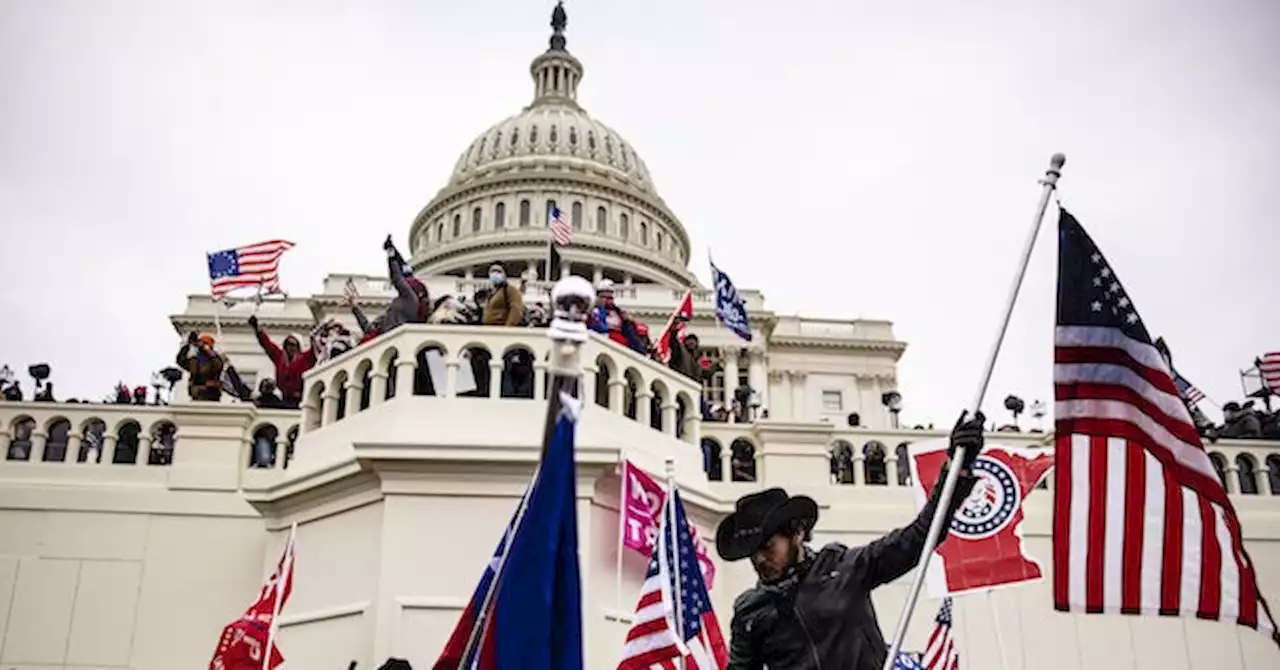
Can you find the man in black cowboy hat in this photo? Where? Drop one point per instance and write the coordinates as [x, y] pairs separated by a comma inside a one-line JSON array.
[[813, 610]]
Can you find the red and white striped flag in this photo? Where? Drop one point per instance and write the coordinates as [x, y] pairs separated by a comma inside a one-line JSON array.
[[941, 652], [250, 266], [679, 321], [1269, 366], [561, 231], [1141, 522]]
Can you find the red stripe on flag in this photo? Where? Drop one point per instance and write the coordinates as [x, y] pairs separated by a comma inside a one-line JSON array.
[[1114, 356], [1211, 558], [1062, 520], [1096, 548], [1134, 516], [1171, 575]]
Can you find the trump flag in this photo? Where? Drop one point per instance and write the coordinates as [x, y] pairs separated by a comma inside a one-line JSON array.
[[642, 501], [984, 547]]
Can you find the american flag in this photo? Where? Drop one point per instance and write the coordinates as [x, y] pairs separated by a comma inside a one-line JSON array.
[[941, 653], [1187, 390], [254, 265], [561, 231], [1141, 522], [652, 642], [1269, 366]]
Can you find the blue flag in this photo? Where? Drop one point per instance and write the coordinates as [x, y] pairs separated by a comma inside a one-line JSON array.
[[533, 618], [731, 309]]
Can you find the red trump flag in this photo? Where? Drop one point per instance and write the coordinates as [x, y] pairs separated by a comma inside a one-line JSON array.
[[247, 641], [985, 547]]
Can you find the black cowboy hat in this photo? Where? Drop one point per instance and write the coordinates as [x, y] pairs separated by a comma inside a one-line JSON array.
[[757, 517]]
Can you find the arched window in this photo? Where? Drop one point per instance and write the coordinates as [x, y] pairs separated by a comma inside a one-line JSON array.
[[1219, 466], [439, 231], [874, 465], [524, 214], [500, 215], [842, 462], [127, 441], [624, 226], [644, 233], [602, 221], [904, 464], [262, 453], [742, 461], [457, 225], [164, 437], [551, 204], [711, 460], [475, 220], [658, 236], [20, 441], [1273, 473], [1248, 474], [55, 446], [576, 220]]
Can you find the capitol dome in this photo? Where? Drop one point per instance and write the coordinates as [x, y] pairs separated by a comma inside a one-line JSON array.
[[553, 154]]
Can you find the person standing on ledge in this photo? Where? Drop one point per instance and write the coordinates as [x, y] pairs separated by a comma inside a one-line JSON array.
[[813, 610]]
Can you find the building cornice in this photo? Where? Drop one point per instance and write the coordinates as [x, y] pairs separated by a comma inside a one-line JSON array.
[[791, 342]]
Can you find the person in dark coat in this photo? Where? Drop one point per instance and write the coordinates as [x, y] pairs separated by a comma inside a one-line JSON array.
[[412, 303], [290, 362], [813, 610], [203, 366]]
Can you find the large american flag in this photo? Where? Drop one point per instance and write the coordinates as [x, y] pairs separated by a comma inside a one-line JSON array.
[[1142, 524], [652, 642], [561, 231], [250, 266], [1269, 366], [941, 652]]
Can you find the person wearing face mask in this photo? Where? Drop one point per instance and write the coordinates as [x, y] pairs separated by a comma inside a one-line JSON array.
[[813, 610], [412, 303], [608, 319], [505, 306], [204, 367]]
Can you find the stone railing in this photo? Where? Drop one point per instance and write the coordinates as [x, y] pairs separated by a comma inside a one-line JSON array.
[[739, 456], [497, 364]]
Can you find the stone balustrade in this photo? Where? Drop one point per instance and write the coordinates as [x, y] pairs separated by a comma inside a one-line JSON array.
[[494, 364]]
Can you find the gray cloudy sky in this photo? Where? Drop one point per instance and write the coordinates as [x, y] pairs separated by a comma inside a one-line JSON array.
[[872, 159]]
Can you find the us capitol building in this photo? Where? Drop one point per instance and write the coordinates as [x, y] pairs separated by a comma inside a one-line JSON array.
[[401, 498]]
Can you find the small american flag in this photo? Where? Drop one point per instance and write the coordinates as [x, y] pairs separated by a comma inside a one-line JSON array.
[[1269, 366], [349, 290], [251, 266], [561, 231], [1141, 522], [652, 642], [1187, 390], [941, 653]]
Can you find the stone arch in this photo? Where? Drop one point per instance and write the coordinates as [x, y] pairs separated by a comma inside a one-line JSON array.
[[902, 453], [712, 459], [387, 365], [1273, 473], [291, 439], [1219, 466], [518, 372], [842, 462], [57, 435], [631, 391], [364, 372], [475, 357], [742, 460], [128, 439], [21, 431], [606, 371], [685, 410], [262, 446], [313, 406], [1247, 474], [93, 439], [339, 382], [660, 395], [164, 439], [874, 469]]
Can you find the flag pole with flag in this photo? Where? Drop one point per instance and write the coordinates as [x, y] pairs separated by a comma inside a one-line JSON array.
[[527, 610], [560, 235], [1141, 522], [731, 308], [679, 321], [250, 266], [249, 641], [1049, 183]]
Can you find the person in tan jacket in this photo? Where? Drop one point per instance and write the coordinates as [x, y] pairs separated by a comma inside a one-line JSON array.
[[505, 306]]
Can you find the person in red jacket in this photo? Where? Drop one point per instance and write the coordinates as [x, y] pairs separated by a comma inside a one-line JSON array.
[[290, 363]]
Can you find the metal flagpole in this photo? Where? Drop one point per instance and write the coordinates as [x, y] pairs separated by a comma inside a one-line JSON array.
[[571, 298], [286, 572], [671, 538], [622, 526], [1049, 183]]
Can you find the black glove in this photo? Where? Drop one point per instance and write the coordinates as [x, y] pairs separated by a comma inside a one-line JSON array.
[[967, 435], [253, 322], [191, 338]]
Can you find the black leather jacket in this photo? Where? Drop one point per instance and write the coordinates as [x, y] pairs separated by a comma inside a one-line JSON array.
[[823, 617]]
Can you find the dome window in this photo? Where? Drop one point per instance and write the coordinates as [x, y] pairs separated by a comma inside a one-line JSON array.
[[524, 213], [573, 136], [475, 220], [533, 135], [500, 215], [591, 142], [624, 226], [625, 163], [555, 136], [515, 137], [440, 229], [576, 216], [497, 142], [644, 233], [608, 147], [484, 142], [602, 220], [660, 240], [457, 225]]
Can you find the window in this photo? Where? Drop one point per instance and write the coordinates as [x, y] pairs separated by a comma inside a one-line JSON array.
[[457, 225], [660, 240], [602, 221], [440, 230], [624, 227], [475, 220], [524, 213], [577, 216], [832, 401], [644, 233], [551, 204], [500, 215]]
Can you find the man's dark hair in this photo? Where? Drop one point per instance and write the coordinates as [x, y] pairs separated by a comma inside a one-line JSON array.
[[798, 525]]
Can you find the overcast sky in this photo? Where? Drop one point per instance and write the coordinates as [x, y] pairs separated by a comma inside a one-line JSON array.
[[850, 159]]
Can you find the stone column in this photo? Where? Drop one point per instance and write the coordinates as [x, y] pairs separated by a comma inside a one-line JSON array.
[[799, 412], [783, 397], [329, 406], [451, 378], [891, 466], [730, 357], [495, 377], [643, 398], [377, 388], [617, 396], [588, 392], [756, 375], [1233, 478], [354, 390], [38, 442], [404, 376], [540, 381], [73, 447], [144, 450], [597, 274], [669, 418]]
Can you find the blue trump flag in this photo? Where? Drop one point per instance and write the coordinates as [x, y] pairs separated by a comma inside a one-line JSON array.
[[731, 309], [527, 611]]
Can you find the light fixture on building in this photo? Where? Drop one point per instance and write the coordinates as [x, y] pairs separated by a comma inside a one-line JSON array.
[[1015, 405], [892, 400], [1038, 411]]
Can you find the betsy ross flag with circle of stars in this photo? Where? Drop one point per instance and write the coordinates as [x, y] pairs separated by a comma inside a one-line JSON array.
[[652, 641], [1141, 522]]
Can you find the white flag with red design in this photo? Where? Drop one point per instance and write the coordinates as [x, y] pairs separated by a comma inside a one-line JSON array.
[[984, 547]]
